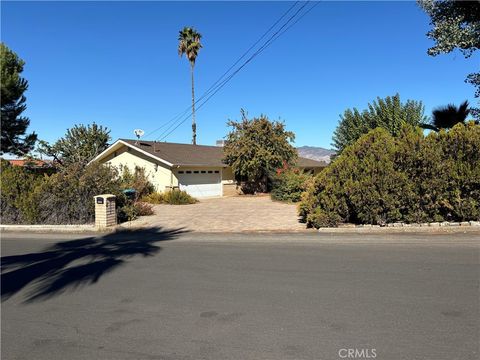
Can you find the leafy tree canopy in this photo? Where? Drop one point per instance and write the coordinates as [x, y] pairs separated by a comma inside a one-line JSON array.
[[389, 113], [14, 126], [455, 25], [79, 145], [257, 147]]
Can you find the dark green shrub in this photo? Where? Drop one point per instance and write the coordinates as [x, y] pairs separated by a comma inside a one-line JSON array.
[[67, 196], [18, 194], [320, 218], [126, 212], [288, 185], [411, 178], [178, 197], [362, 185]]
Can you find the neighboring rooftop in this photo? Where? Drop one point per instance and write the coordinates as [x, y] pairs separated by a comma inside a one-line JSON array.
[[30, 162], [196, 155]]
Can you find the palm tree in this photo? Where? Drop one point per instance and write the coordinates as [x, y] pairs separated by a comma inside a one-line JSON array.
[[446, 117], [189, 44]]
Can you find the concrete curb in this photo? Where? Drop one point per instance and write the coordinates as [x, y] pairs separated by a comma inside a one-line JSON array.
[[53, 229], [345, 229]]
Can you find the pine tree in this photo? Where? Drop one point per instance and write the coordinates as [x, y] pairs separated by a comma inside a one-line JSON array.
[[14, 126]]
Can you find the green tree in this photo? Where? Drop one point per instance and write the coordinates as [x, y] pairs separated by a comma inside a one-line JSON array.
[[455, 25], [189, 44], [255, 148], [13, 86], [446, 117], [389, 113], [79, 145]]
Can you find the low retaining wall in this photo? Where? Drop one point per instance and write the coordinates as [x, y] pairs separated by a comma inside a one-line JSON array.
[[404, 227]]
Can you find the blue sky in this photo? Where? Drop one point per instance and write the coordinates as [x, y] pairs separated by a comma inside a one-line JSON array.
[[116, 64]]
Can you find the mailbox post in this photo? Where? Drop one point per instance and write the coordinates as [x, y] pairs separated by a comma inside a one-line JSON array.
[[105, 211]]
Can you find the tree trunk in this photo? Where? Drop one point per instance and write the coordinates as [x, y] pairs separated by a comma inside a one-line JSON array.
[[194, 125]]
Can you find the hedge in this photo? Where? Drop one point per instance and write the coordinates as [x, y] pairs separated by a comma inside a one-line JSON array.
[[410, 178], [66, 197]]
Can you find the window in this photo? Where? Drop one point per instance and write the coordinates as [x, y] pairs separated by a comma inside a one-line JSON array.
[[216, 171], [195, 172], [180, 172], [203, 171], [210, 171], [188, 172]]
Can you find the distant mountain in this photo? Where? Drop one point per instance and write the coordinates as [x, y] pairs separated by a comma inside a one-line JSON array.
[[315, 153]]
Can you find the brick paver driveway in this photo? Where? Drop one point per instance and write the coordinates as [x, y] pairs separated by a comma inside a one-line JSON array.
[[227, 214]]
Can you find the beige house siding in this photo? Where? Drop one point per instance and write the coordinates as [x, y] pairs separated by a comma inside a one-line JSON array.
[[158, 173]]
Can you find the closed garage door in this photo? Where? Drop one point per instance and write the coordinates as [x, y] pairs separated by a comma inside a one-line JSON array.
[[200, 183]]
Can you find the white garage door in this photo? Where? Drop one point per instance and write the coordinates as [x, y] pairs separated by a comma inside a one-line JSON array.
[[200, 183]]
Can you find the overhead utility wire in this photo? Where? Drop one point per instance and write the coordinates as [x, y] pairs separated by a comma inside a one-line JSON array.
[[275, 36], [263, 47], [211, 88]]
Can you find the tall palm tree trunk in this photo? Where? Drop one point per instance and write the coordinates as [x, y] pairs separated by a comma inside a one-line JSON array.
[[194, 125]]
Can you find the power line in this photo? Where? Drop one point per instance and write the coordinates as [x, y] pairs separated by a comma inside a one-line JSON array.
[[263, 47], [211, 88], [274, 37], [251, 47]]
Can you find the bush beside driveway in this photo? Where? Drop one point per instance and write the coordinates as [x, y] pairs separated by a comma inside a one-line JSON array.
[[226, 214]]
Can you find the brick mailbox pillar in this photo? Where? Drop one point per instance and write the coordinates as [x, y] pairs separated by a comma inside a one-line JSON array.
[[105, 211]]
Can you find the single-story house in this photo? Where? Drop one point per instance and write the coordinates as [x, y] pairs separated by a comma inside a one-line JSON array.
[[197, 169]]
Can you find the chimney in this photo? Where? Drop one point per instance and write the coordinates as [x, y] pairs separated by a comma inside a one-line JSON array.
[[220, 143]]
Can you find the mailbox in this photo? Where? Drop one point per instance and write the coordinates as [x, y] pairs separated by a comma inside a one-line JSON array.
[[105, 211]]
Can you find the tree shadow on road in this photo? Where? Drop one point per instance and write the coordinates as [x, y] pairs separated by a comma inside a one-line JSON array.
[[69, 265]]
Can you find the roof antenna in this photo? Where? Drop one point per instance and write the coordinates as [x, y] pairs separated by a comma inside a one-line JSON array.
[[138, 133]]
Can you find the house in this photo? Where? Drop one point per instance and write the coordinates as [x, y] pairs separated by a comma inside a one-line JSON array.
[[35, 165], [197, 169], [31, 163]]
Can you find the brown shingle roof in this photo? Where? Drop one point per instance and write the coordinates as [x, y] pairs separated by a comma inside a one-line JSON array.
[[196, 155]]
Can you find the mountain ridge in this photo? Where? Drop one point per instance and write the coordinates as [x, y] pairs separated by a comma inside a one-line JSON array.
[[315, 153]]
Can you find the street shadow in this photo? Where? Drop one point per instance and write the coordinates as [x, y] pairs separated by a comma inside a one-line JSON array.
[[69, 265]]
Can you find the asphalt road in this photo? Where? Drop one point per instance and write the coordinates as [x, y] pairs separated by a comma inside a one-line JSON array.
[[174, 295]]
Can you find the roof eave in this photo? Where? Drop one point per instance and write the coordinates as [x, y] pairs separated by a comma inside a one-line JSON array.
[[120, 141]]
